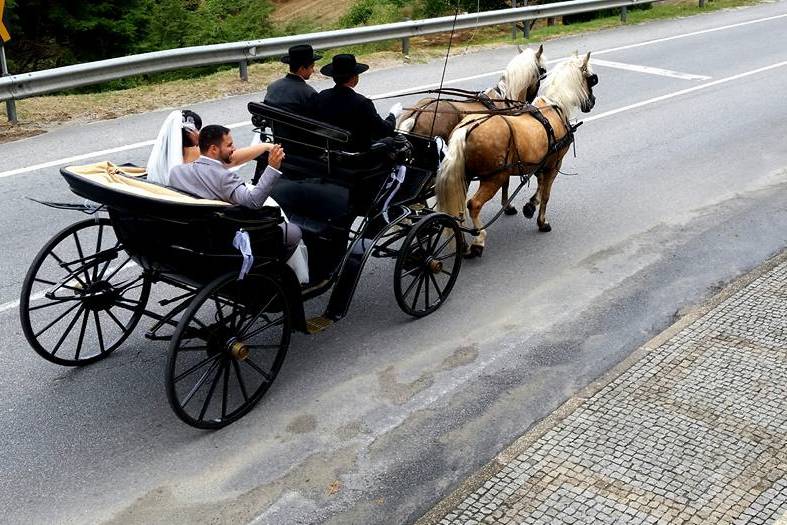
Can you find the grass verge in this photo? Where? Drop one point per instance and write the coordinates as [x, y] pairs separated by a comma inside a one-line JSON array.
[[37, 115]]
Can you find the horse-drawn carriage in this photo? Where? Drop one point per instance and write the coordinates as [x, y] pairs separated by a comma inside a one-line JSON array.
[[233, 312], [90, 285]]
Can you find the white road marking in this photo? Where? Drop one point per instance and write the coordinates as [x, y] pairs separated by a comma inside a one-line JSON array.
[[649, 70], [86, 156], [684, 91]]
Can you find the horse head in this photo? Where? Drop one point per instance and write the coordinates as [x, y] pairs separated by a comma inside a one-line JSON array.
[[522, 76], [570, 85]]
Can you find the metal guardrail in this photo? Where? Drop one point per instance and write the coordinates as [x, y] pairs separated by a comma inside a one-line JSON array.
[[50, 80]]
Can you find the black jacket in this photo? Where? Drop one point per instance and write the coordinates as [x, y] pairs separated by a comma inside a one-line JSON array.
[[342, 107], [293, 94]]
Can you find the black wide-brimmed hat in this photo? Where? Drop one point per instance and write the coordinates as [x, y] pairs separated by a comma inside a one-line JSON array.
[[302, 54], [342, 66]]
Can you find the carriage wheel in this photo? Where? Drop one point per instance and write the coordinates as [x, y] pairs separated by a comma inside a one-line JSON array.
[[227, 349], [82, 296], [428, 265]]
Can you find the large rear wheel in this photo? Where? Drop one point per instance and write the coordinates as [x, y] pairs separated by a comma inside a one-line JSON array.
[[227, 349], [82, 296], [428, 264]]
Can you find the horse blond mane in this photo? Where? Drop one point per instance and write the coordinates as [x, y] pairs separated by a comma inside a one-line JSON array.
[[521, 73], [566, 86]]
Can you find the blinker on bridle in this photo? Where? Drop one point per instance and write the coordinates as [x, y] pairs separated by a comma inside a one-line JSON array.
[[542, 71], [592, 80]]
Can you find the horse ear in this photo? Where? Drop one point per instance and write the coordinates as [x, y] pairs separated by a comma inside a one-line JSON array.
[[540, 51], [519, 48], [587, 59]]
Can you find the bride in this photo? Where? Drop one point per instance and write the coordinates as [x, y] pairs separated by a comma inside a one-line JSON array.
[[178, 143]]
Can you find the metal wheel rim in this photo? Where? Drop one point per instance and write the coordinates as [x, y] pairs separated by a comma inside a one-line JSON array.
[[104, 300], [210, 382], [414, 274]]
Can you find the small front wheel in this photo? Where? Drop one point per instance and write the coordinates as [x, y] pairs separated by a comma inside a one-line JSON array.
[[227, 349], [428, 264]]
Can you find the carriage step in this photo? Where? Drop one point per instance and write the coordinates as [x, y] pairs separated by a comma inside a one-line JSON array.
[[317, 324]]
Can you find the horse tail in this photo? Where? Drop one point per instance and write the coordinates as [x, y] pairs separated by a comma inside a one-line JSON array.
[[451, 187], [407, 125]]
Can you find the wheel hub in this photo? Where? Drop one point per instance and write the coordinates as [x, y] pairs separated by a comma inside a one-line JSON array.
[[99, 295], [434, 266], [237, 349]]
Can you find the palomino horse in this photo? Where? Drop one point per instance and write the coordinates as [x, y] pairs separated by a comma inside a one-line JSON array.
[[535, 144], [519, 83]]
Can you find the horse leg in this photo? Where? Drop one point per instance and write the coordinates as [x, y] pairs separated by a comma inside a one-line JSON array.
[[485, 192], [546, 188], [509, 209], [529, 209]]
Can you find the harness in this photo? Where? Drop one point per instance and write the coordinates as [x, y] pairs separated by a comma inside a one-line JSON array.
[[524, 169]]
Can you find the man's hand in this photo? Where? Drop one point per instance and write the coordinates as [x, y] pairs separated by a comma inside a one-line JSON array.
[[276, 156]]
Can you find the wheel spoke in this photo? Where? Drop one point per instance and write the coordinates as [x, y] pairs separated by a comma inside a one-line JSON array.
[[100, 333], [199, 384], [238, 374], [437, 287], [411, 271], [418, 291], [443, 246], [225, 391], [410, 287], [426, 289], [117, 321], [81, 255], [444, 257], [212, 389], [194, 368], [258, 331], [65, 266], [116, 270], [261, 312], [109, 261], [61, 316], [256, 367], [98, 248], [53, 303], [81, 336], [67, 331]]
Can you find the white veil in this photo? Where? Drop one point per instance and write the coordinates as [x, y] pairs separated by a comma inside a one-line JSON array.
[[167, 149]]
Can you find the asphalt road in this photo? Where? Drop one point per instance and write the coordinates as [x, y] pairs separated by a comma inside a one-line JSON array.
[[375, 419]]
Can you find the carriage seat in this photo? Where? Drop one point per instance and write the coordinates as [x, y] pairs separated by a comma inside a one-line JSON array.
[[128, 180]]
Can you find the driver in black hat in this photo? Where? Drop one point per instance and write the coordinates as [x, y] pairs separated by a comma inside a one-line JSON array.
[[341, 106], [292, 92]]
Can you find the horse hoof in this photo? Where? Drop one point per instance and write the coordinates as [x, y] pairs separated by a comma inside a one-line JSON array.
[[545, 227], [528, 210], [475, 251], [510, 210]]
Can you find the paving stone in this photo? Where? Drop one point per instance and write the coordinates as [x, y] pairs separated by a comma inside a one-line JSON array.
[[694, 432]]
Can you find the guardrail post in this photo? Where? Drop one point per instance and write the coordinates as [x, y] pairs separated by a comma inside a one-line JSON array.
[[526, 23], [513, 25], [244, 70], [10, 105], [406, 43], [624, 14], [702, 3]]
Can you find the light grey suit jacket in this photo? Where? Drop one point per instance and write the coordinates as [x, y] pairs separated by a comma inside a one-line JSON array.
[[210, 179]]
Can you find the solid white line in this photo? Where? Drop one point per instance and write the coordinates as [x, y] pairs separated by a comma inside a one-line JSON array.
[[649, 70], [684, 91], [686, 35], [85, 156]]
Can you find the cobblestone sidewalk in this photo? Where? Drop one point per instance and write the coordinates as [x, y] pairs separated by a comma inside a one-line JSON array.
[[695, 431]]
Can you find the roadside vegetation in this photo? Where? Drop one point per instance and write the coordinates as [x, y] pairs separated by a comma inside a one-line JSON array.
[[232, 21]]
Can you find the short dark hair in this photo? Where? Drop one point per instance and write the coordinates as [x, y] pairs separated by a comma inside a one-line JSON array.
[[295, 66], [212, 135], [342, 79]]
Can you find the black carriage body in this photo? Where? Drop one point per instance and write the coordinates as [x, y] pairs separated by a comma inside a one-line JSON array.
[[192, 244]]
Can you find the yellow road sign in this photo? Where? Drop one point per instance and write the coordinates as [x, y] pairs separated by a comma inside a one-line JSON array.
[[3, 31]]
